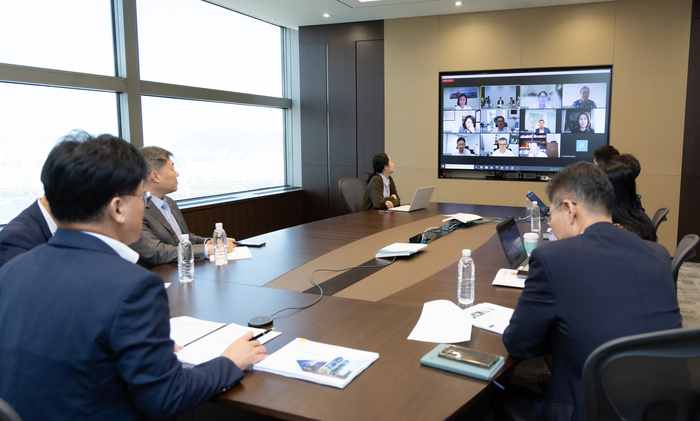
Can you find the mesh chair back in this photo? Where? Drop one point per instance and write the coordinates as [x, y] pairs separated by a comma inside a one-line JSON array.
[[659, 217], [352, 189], [684, 251], [653, 376]]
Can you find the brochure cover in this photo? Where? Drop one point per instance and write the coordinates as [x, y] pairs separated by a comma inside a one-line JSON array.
[[316, 362]]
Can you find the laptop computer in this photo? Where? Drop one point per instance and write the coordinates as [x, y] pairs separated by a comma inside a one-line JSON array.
[[420, 200], [513, 247]]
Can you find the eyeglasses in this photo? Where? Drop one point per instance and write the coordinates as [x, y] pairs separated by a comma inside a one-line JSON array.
[[145, 196], [557, 206]]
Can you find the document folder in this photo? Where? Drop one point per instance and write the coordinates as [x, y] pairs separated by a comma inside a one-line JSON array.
[[431, 359]]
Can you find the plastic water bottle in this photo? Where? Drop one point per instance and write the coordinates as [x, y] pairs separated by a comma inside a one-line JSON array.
[[465, 279], [535, 219], [220, 248], [528, 206], [185, 259]]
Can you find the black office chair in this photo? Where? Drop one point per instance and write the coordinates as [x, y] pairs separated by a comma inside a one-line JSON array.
[[684, 251], [659, 217], [7, 413], [352, 189], [652, 376]]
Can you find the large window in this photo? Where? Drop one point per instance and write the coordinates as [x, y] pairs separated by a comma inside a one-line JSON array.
[[200, 80], [218, 148]]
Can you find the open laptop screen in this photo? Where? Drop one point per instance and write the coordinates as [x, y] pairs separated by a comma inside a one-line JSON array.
[[512, 244]]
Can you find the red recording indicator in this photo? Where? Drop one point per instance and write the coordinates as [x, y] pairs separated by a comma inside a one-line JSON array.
[[447, 80]]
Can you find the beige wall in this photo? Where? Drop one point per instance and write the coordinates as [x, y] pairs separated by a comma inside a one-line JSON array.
[[646, 41]]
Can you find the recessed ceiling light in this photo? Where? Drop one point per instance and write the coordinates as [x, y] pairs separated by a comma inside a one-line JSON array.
[[458, 3], [326, 15]]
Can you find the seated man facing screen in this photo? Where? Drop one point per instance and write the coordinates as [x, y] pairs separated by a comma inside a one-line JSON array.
[[82, 325], [163, 223], [596, 283], [33, 226]]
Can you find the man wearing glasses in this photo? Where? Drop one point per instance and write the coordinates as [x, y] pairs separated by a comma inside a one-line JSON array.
[[597, 282], [82, 325]]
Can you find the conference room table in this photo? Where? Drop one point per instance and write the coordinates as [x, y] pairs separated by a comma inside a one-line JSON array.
[[371, 311]]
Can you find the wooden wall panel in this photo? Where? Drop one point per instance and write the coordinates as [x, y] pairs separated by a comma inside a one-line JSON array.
[[248, 217]]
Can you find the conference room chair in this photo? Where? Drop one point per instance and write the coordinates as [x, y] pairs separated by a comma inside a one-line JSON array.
[[659, 217], [352, 189], [7, 413], [684, 251], [652, 376]]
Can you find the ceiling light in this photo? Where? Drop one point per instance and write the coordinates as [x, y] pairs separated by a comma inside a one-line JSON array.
[[458, 3], [326, 15]]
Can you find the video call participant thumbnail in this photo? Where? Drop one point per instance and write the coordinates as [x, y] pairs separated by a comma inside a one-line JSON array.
[[541, 128], [584, 102], [462, 148], [536, 150], [502, 148], [584, 123], [81, 323]]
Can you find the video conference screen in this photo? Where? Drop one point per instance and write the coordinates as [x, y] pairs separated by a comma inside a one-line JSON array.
[[535, 121]]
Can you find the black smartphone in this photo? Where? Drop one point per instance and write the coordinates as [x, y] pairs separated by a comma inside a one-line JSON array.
[[238, 243], [544, 210]]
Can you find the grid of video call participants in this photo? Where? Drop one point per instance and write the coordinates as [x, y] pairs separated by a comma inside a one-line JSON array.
[[538, 121]]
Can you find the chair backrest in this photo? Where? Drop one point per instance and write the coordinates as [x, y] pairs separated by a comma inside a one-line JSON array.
[[659, 217], [7, 413], [684, 251], [641, 377], [352, 189]]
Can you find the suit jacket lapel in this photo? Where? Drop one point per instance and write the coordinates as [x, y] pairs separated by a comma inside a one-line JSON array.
[[38, 216], [156, 214]]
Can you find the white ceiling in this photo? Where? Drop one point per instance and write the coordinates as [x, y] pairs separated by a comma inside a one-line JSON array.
[[296, 13]]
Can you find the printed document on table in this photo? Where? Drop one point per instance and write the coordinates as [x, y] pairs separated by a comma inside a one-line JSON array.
[[185, 329], [239, 253], [462, 217], [491, 317], [212, 345], [442, 321], [316, 362]]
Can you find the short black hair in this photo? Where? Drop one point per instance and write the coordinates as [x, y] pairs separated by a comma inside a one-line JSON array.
[[629, 160], [379, 161], [83, 174], [604, 153], [584, 183], [624, 210]]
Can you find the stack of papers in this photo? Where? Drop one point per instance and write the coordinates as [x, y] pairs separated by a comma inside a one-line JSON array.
[[316, 362], [204, 340], [508, 278], [443, 321], [462, 217], [400, 249]]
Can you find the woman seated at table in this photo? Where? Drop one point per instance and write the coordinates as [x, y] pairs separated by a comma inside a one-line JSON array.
[[624, 213], [380, 192]]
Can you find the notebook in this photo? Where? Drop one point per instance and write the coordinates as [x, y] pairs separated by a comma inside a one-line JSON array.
[[420, 200], [431, 359], [513, 247]]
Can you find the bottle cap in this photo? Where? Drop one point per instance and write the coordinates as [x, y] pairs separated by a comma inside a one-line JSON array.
[[466, 253], [534, 202], [219, 225], [185, 237]]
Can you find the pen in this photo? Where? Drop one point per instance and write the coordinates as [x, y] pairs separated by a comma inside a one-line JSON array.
[[261, 334]]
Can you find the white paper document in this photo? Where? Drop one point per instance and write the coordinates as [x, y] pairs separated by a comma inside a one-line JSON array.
[[400, 249], [442, 322], [508, 278], [214, 339], [462, 217], [239, 253], [316, 362], [491, 317]]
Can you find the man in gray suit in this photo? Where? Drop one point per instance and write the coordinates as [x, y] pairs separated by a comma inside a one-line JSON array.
[[162, 221]]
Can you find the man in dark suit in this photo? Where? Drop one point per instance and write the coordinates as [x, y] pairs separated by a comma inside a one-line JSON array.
[[33, 226], [541, 129], [597, 282], [83, 326], [163, 223]]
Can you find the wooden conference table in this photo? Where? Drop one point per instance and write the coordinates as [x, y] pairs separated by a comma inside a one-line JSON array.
[[376, 313]]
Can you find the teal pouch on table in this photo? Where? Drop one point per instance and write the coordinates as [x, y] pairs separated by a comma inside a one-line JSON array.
[[432, 359]]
